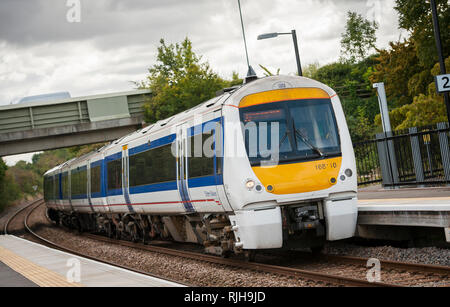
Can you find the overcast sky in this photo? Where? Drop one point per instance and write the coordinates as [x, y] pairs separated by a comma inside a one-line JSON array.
[[115, 41]]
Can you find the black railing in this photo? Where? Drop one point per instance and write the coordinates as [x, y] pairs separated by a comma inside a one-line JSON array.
[[415, 156], [367, 162]]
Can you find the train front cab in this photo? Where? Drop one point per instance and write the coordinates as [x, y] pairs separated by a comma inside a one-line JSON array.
[[309, 194]]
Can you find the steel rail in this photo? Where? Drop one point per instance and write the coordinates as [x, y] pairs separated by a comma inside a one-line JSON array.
[[397, 265], [5, 229], [442, 270], [74, 252]]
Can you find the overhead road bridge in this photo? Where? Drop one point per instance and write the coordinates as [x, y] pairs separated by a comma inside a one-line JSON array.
[[37, 126]]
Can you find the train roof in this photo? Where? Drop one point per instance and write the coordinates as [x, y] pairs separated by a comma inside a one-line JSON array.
[[204, 107]]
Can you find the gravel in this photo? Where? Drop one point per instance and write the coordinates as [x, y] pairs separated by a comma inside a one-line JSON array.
[[199, 273], [192, 272], [188, 271], [424, 255], [10, 210]]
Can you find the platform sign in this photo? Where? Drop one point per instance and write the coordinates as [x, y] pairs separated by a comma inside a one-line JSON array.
[[442, 83]]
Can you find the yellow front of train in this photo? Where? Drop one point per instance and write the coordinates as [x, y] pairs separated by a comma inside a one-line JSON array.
[[300, 173]]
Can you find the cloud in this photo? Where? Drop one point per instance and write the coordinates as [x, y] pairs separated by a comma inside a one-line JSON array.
[[116, 40]]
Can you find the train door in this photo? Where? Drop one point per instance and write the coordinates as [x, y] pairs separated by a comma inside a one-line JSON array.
[[219, 160], [203, 172], [99, 197], [181, 152], [69, 189], [88, 187], [125, 176]]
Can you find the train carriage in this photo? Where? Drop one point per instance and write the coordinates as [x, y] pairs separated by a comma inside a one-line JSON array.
[[265, 165]]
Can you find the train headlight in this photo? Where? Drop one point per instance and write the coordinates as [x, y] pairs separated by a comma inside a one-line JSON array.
[[348, 172], [250, 184]]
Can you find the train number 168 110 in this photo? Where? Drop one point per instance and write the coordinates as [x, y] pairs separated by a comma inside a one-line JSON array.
[[323, 166]]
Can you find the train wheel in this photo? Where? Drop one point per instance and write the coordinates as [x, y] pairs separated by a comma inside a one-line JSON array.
[[118, 234], [226, 254], [317, 250], [109, 231], [250, 255], [145, 237], [134, 234]]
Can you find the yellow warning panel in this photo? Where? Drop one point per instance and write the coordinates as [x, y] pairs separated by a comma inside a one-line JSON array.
[[33, 272]]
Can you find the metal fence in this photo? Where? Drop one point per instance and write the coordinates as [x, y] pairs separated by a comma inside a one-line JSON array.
[[415, 156]]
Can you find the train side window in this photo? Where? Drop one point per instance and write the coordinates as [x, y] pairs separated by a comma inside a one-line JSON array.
[[82, 182], [219, 162], [95, 179], [48, 185], [74, 183], [204, 165], [65, 186], [78, 182], [153, 166], [58, 187], [114, 174], [53, 191]]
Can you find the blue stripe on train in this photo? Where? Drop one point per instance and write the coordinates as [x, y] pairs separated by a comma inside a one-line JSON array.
[[159, 187], [156, 187], [201, 181], [114, 192], [81, 196], [153, 144], [204, 127]]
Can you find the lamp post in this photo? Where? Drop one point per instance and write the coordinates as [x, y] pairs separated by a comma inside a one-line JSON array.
[[294, 37]]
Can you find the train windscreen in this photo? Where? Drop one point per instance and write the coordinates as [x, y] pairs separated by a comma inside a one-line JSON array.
[[292, 131]]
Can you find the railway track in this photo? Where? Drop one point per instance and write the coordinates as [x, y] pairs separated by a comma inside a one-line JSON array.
[[15, 216], [325, 278], [398, 272], [395, 265], [392, 272], [267, 268], [30, 209]]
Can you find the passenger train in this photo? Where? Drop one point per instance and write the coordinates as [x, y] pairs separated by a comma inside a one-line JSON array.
[[265, 165]]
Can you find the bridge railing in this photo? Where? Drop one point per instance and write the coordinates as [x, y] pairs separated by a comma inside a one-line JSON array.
[[415, 156], [71, 111]]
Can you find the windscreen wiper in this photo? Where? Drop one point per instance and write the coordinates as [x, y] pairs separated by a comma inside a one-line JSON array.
[[305, 140], [284, 138]]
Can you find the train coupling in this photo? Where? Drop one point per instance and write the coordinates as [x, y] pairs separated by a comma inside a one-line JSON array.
[[305, 217]]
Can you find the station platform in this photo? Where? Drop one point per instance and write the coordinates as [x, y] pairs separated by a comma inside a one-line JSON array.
[[408, 207], [28, 264]]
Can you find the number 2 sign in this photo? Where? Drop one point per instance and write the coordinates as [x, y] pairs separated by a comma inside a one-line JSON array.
[[443, 83]]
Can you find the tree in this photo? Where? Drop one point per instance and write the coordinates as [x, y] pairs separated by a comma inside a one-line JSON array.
[[267, 72], [415, 17], [426, 109], [396, 67], [359, 37], [361, 127], [334, 74], [9, 191], [311, 70], [350, 81], [3, 169], [26, 178], [179, 81]]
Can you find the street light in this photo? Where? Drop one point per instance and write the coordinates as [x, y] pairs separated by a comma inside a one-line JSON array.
[[294, 37]]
